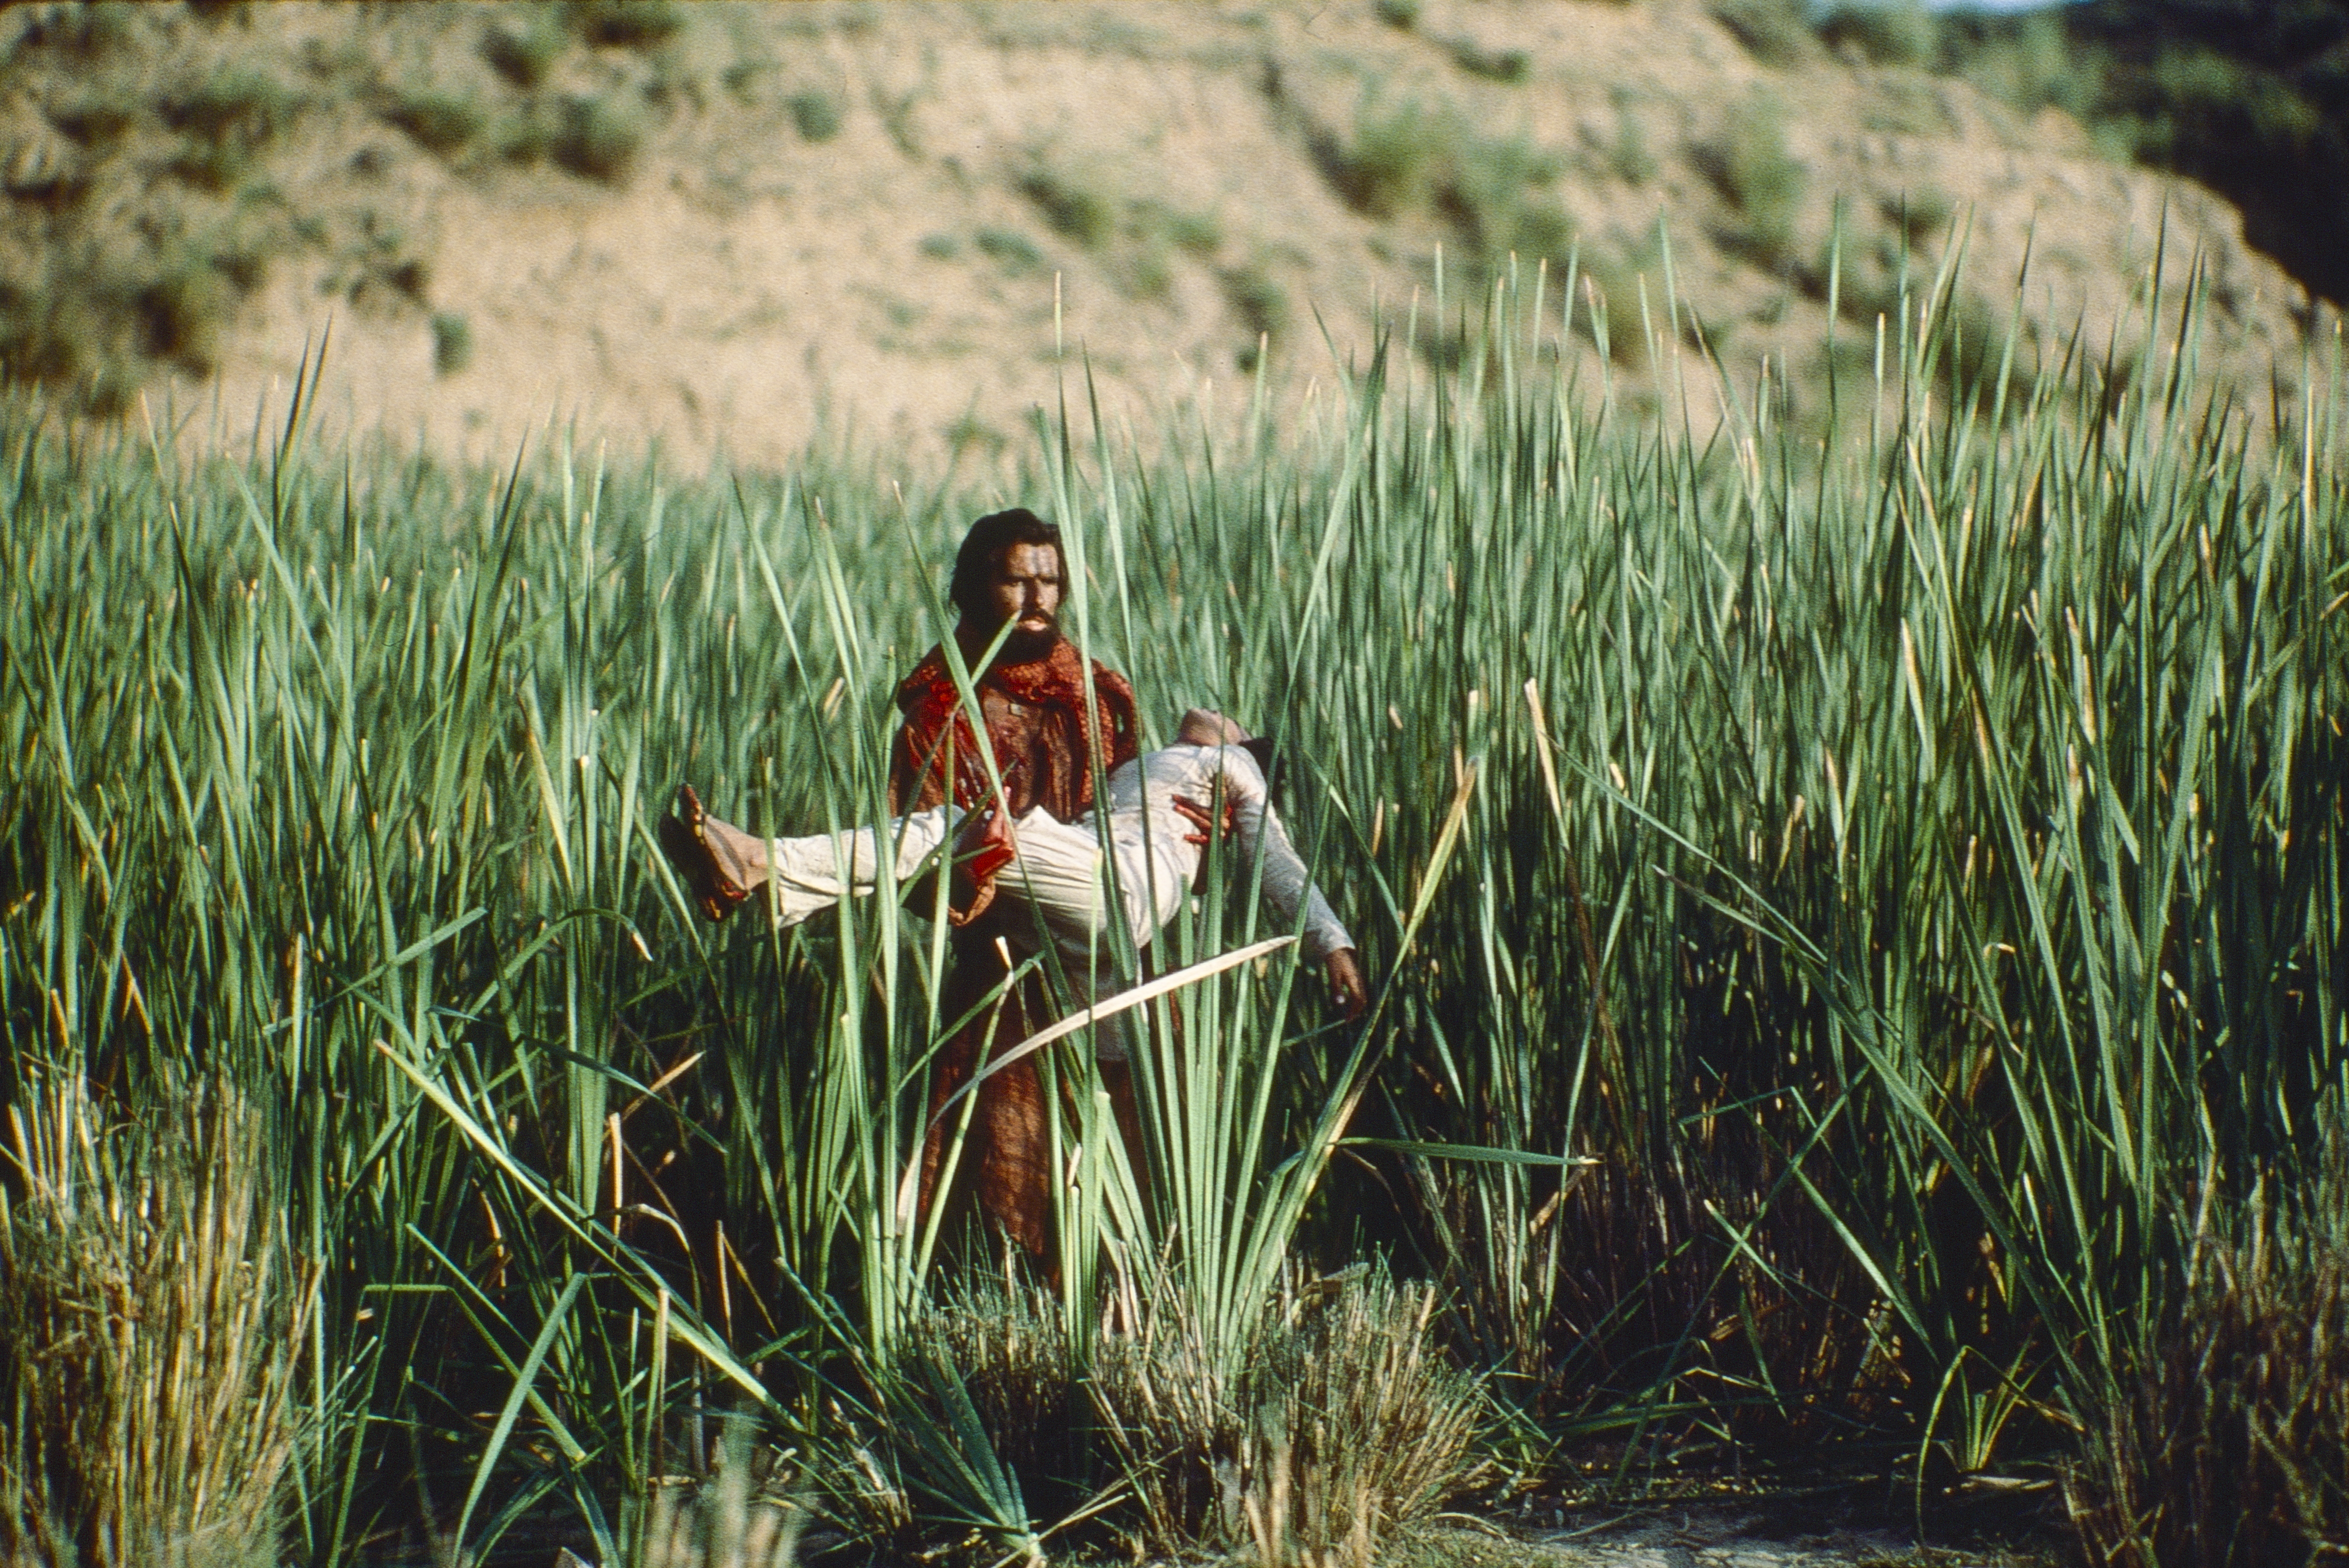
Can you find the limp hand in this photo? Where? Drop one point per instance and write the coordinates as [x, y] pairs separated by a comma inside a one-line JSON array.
[[1203, 820], [1344, 972]]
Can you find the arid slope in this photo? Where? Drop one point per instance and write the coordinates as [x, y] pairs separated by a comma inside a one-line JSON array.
[[731, 230]]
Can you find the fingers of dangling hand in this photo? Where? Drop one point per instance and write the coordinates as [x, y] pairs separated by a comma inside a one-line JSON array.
[[1211, 826], [1345, 976], [1199, 818]]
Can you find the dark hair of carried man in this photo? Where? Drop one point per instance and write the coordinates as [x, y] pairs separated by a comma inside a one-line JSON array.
[[982, 550]]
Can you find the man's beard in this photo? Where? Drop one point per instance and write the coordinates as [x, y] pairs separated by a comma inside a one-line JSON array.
[[1024, 647]]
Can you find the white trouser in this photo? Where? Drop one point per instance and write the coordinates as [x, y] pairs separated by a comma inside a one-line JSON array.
[[1057, 876]]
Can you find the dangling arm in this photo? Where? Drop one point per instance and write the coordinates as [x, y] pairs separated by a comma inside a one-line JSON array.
[[1286, 883]]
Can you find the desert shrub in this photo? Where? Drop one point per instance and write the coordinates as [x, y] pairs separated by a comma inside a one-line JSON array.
[[2027, 62], [1907, 106], [2246, 98], [597, 139], [223, 122], [1494, 191], [1631, 158], [181, 312], [1775, 32], [1386, 166], [213, 166], [93, 120], [1506, 65], [1401, 14], [1749, 164], [627, 23], [1889, 33], [524, 50], [244, 105], [1143, 269], [815, 115], [523, 137], [88, 32], [150, 1322], [1010, 249], [1072, 205], [1261, 305], [95, 318], [436, 121], [2228, 1446], [1919, 216], [452, 342], [1200, 233]]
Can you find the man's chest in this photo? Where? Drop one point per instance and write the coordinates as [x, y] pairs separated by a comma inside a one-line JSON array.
[[1016, 726]]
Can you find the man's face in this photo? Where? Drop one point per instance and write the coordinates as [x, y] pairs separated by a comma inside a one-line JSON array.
[[1026, 591]]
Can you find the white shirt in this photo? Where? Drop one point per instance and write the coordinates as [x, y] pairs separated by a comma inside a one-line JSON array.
[[1147, 831]]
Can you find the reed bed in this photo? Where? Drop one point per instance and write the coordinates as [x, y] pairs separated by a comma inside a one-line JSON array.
[[1851, 890]]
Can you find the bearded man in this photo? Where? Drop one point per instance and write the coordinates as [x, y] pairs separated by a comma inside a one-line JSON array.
[[1049, 720]]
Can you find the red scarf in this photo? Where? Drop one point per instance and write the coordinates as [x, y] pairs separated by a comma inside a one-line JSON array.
[[1059, 769]]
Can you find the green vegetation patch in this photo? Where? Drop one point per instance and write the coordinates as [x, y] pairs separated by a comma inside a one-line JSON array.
[[815, 114], [627, 23], [597, 138], [1762, 181], [1884, 32], [1497, 194], [1775, 32], [525, 46], [1075, 203], [2248, 96], [440, 122], [1782, 817], [453, 343], [1012, 250]]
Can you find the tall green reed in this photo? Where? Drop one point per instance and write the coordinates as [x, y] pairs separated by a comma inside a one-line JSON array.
[[1898, 842]]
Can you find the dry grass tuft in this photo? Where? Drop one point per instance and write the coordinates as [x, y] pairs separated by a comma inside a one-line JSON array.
[[1005, 1340], [2229, 1450], [737, 1519], [150, 1326], [1339, 1422], [1343, 1423]]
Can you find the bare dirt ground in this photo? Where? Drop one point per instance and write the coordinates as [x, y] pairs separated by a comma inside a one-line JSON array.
[[1717, 1534], [909, 227]]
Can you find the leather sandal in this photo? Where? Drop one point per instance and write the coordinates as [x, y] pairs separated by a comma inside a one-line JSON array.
[[711, 875]]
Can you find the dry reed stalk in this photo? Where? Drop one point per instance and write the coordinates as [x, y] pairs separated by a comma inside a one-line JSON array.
[[152, 1318]]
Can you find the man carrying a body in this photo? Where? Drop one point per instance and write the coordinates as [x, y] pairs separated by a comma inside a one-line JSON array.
[[1051, 717], [1048, 717]]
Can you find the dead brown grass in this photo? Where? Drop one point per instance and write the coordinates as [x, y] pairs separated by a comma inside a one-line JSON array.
[[150, 1326], [2230, 1444]]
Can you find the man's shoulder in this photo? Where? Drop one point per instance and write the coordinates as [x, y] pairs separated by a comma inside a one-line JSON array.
[[1119, 689], [925, 684]]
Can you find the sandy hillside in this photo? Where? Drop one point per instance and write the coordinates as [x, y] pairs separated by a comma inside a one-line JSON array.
[[726, 229]]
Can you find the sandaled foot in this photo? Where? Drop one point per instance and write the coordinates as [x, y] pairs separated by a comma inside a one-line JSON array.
[[713, 875]]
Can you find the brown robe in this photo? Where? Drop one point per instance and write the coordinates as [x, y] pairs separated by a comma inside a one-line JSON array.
[[1043, 740]]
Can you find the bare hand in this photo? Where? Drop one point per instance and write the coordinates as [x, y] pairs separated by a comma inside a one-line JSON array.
[[1345, 976], [1203, 820]]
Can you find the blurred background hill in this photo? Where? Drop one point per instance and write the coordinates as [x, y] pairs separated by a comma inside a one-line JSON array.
[[735, 229], [2248, 96]]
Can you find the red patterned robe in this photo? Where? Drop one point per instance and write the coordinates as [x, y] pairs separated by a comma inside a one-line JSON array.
[[1044, 739]]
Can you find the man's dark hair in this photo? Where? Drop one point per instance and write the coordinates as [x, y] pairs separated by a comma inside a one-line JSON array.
[[983, 547]]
